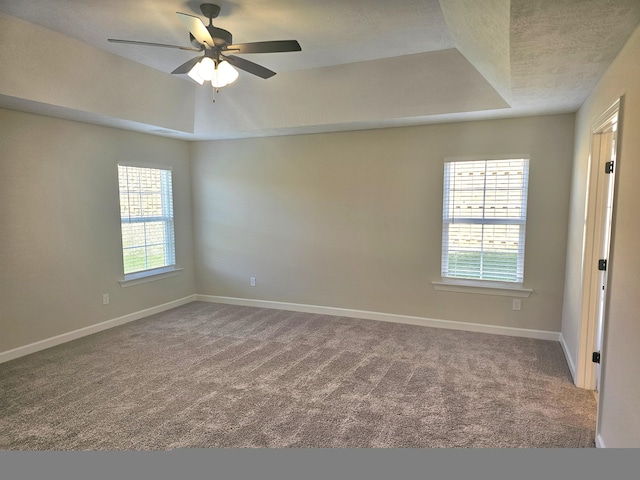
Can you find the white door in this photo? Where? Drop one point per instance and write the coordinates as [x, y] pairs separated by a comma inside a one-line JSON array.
[[605, 141]]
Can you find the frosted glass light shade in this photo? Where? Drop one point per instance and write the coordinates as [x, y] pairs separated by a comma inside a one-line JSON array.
[[219, 75], [223, 75], [193, 74], [206, 67]]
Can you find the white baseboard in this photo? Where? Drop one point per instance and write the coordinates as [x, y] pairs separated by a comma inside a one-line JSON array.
[[567, 356], [384, 317], [298, 307], [599, 442], [98, 327]]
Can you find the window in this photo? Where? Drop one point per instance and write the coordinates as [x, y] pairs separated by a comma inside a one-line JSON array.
[[483, 221], [146, 212]]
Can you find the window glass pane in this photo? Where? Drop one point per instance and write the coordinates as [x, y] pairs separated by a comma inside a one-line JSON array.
[[155, 256], [484, 212], [154, 232], [132, 235], [134, 259], [146, 210]]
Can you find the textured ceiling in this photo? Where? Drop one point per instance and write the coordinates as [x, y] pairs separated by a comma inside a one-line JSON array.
[[560, 49], [522, 56], [331, 31]]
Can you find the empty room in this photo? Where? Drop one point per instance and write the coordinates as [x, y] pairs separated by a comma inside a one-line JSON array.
[[279, 223]]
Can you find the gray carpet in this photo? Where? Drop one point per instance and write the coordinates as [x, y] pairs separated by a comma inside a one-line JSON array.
[[211, 375]]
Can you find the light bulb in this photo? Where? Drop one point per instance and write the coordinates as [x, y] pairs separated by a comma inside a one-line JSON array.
[[193, 74], [206, 67], [227, 72], [224, 75], [218, 80]]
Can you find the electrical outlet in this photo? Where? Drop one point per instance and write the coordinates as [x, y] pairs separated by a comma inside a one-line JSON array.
[[105, 299], [517, 304], [252, 281]]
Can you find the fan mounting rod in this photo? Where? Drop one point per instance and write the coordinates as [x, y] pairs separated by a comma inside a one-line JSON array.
[[210, 11]]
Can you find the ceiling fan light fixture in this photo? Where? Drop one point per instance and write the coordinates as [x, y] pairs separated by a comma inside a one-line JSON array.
[[213, 42]]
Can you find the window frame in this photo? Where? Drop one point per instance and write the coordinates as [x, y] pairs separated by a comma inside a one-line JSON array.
[[475, 285], [168, 218]]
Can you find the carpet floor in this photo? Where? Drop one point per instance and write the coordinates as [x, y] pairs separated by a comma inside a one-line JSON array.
[[207, 375]]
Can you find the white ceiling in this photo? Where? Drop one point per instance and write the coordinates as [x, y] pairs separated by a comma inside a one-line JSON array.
[[518, 57]]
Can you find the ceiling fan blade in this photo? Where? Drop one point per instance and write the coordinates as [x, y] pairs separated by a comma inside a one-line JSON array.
[[150, 44], [266, 47], [194, 41], [250, 67], [197, 28], [187, 66]]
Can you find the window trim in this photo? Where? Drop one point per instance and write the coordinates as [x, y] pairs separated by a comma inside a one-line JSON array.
[[483, 286], [153, 274], [146, 276]]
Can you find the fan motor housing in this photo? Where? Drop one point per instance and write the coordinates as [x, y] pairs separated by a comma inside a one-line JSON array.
[[220, 36]]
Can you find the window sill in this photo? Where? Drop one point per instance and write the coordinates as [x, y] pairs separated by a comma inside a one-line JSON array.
[[149, 276], [483, 288]]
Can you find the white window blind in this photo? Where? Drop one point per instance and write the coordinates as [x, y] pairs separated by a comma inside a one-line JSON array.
[[484, 219], [146, 211]]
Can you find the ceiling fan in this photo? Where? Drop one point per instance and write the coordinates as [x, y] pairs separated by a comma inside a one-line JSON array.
[[216, 65]]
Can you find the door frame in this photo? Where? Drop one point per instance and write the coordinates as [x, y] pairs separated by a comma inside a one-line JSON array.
[[586, 369]]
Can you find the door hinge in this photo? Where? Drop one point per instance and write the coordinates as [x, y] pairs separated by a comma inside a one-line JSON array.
[[608, 167], [595, 357], [602, 264]]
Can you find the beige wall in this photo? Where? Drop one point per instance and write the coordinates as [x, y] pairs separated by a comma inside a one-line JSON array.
[[60, 244], [353, 220], [349, 94], [82, 78], [620, 392]]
